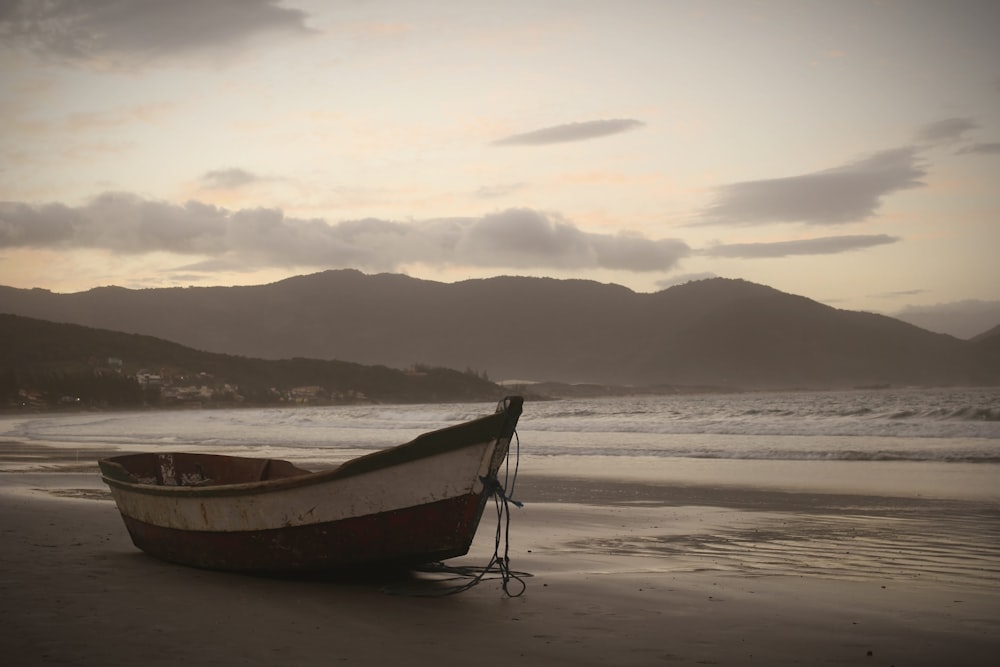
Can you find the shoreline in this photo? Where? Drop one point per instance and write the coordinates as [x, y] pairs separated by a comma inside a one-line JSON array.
[[623, 572], [918, 480]]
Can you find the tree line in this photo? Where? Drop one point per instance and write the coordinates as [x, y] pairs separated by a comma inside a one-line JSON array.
[[48, 388]]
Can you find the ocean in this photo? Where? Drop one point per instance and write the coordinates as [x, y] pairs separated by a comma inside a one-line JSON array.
[[912, 473], [645, 436]]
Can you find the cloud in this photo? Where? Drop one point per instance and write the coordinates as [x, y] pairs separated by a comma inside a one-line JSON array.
[[138, 32], [525, 238], [946, 130], [985, 148], [493, 191], [898, 293], [848, 193], [591, 129], [255, 238], [120, 222], [827, 245], [226, 179]]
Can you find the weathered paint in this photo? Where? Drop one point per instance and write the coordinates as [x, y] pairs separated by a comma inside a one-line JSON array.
[[418, 502], [440, 477], [420, 534]]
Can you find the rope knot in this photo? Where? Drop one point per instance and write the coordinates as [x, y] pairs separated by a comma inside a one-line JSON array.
[[493, 486]]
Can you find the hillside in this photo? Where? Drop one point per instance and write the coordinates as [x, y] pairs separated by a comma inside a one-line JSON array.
[[987, 346], [993, 334], [44, 363], [720, 332]]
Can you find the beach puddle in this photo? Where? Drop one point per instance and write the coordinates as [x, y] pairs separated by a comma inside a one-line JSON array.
[[963, 550], [82, 494]]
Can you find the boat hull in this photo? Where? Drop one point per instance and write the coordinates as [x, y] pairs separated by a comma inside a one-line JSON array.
[[416, 503], [424, 533]]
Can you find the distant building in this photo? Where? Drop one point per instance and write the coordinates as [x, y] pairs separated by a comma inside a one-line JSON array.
[[188, 393], [307, 394], [147, 379]]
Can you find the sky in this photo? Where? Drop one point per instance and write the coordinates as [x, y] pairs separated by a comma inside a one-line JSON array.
[[844, 151]]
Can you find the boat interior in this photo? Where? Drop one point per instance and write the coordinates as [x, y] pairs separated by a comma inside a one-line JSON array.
[[196, 469]]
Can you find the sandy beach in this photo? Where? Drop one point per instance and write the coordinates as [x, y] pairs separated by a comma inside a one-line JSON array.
[[623, 572]]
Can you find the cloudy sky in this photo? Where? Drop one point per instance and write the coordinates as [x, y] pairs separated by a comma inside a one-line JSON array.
[[846, 151]]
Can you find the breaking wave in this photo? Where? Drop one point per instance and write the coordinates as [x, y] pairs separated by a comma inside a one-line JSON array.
[[955, 425]]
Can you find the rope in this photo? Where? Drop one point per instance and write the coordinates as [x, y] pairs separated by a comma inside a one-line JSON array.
[[472, 575]]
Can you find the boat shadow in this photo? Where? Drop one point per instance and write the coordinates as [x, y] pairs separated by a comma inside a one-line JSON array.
[[431, 580]]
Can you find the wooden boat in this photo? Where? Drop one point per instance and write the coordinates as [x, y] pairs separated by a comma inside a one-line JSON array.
[[416, 503]]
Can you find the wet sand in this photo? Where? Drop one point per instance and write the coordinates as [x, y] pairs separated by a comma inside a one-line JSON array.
[[623, 572]]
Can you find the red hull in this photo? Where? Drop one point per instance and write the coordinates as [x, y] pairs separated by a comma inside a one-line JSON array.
[[430, 532]]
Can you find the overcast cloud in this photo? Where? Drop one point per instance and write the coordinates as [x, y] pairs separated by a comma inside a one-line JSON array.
[[591, 129], [985, 148], [225, 179], [827, 245], [946, 130], [137, 32], [254, 238], [844, 194], [489, 192]]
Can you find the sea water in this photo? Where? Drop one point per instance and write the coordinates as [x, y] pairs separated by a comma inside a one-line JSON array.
[[946, 436]]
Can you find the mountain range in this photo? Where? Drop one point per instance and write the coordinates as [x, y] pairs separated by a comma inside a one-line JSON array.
[[718, 332]]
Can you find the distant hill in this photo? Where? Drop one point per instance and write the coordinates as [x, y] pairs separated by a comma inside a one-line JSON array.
[[992, 334], [48, 362], [987, 345], [963, 319], [718, 332]]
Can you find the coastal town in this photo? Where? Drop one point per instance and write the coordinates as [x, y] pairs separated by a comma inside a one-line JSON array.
[[108, 384]]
